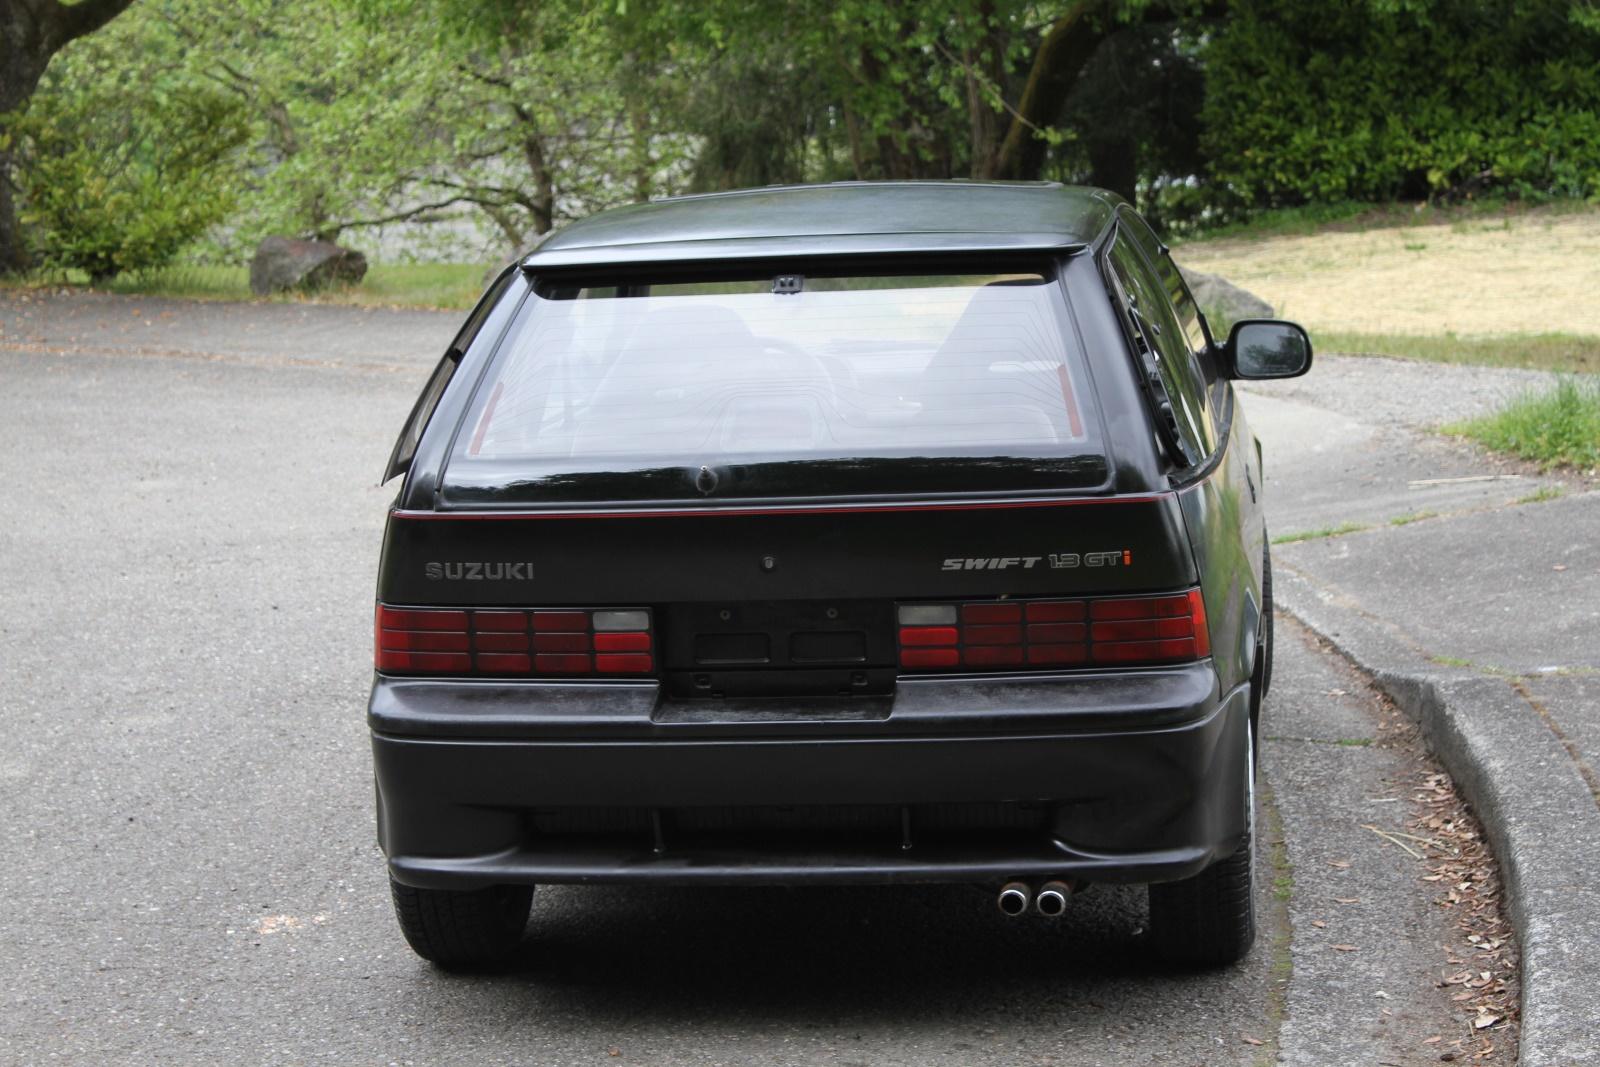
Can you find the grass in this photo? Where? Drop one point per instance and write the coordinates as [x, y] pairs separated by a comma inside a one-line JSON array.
[[1566, 352], [1482, 668], [1314, 535], [1542, 494], [415, 285], [1557, 428], [1415, 516], [1513, 286], [1342, 742]]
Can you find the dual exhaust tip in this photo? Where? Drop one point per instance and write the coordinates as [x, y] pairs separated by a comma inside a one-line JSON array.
[[1050, 901]]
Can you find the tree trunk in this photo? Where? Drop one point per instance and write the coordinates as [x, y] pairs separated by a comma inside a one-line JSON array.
[[14, 257], [1114, 165], [31, 32], [1064, 52], [20, 71], [858, 156], [894, 161], [986, 74], [542, 205]]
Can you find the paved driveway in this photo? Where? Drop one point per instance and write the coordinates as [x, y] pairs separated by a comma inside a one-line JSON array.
[[187, 553]]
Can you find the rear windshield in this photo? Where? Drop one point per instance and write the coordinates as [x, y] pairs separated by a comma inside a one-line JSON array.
[[781, 385]]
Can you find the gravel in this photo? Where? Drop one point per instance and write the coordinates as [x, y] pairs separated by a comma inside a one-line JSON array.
[[1410, 393]]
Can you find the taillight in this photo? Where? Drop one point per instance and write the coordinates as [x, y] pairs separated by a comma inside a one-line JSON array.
[[1049, 634], [537, 642]]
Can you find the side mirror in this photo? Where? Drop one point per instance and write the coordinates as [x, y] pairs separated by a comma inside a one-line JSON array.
[[1266, 348]]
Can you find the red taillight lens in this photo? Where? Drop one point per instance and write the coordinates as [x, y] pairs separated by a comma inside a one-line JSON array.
[[538, 642], [1052, 634]]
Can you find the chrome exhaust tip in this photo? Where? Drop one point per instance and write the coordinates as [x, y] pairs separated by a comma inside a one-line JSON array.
[[1014, 899], [1051, 899]]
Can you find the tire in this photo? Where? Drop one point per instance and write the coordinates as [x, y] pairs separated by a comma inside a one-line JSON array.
[[1210, 920], [463, 929]]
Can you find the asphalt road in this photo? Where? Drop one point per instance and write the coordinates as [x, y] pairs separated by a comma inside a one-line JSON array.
[[187, 552]]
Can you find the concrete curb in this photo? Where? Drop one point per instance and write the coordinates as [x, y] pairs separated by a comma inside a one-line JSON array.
[[1541, 819]]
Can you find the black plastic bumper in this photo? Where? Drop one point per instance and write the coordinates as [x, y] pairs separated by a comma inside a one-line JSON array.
[[1135, 776]]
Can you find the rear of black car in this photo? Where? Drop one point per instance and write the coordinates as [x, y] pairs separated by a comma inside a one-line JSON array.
[[796, 571]]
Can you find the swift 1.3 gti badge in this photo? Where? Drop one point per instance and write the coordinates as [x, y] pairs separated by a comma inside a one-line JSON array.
[[1060, 561]]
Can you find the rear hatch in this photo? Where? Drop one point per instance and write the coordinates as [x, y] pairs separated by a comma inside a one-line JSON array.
[[793, 474], [794, 602]]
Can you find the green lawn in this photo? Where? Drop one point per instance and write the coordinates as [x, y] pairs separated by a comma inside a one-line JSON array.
[[419, 285]]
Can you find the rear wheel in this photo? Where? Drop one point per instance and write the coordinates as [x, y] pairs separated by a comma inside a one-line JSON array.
[[463, 928], [1210, 920]]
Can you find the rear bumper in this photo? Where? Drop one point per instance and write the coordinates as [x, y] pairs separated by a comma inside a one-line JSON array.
[[1135, 776]]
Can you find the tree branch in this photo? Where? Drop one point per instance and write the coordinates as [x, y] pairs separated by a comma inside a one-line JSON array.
[[410, 214]]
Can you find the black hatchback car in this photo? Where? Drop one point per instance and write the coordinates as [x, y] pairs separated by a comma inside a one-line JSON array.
[[859, 533]]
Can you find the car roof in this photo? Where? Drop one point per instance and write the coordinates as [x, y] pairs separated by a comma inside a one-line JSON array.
[[839, 218]]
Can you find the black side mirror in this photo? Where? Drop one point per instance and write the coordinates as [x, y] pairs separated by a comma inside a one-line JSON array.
[[1266, 348]]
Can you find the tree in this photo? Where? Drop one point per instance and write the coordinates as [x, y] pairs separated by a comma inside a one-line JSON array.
[[1135, 114], [31, 33], [544, 112], [935, 88]]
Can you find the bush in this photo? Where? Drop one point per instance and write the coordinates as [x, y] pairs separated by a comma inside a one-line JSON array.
[[119, 178], [1386, 99]]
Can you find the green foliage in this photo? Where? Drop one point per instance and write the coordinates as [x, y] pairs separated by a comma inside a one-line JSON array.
[[1382, 99], [339, 114], [1559, 428], [499, 120], [116, 173]]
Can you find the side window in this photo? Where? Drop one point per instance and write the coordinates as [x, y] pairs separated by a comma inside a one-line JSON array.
[[1183, 305], [1165, 351], [405, 449]]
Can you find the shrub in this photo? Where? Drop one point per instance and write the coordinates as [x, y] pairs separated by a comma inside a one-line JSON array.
[[1385, 99], [114, 178]]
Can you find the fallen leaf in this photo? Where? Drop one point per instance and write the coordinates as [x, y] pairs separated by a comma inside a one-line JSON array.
[[1347, 900], [1344, 948], [1434, 1040], [1341, 864], [1319, 924], [1253, 1040], [1483, 1022]]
